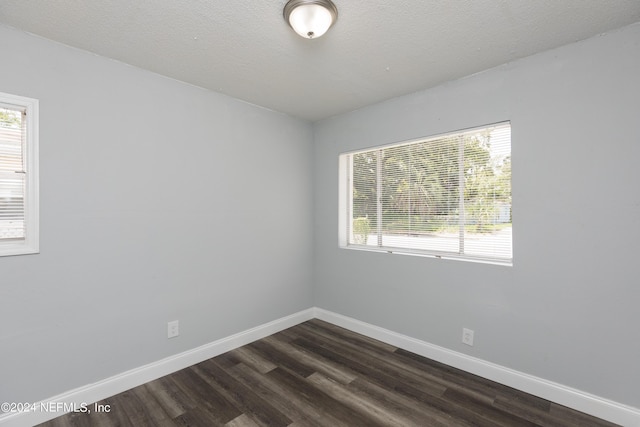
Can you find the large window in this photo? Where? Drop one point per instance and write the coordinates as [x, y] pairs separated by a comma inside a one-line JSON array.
[[446, 196], [18, 175]]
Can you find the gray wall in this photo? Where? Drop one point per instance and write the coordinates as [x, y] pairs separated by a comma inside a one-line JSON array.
[[568, 310], [159, 201]]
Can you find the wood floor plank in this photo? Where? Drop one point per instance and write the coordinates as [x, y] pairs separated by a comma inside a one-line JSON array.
[[137, 412], [62, 421], [368, 365], [521, 398], [117, 416], [409, 366], [245, 399], [427, 394], [323, 366], [318, 374], [197, 417], [283, 399], [350, 336], [382, 414], [485, 411], [152, 406], [282, 359], [220, 408], [251, 357], [325, 405], [172, 402], [542, 418], [286, 335], [480, 388], [80, 420], [409, 408], [450, 377], [242, 421]]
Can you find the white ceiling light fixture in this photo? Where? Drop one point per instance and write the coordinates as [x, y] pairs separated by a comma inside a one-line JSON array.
[[310, 18]]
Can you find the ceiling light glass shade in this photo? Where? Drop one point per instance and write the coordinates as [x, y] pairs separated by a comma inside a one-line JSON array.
[[310, 18]]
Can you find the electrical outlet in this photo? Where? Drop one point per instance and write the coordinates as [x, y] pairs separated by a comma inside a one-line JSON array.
[[467, 336], [173, 329]]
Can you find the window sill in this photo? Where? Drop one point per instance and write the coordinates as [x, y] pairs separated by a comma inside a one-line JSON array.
[[18, 248], [435, 255]]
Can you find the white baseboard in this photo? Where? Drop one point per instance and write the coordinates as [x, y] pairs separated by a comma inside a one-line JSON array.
[[558, 393], [117, 384], [576, 399]]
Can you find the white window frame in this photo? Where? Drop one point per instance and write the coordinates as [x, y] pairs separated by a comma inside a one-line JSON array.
[[345, 193], [30, 244]]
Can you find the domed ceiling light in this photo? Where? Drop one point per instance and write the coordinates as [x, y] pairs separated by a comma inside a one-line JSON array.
[[310, 18]]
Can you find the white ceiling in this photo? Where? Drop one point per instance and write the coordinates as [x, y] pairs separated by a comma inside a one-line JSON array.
[[378, 49]]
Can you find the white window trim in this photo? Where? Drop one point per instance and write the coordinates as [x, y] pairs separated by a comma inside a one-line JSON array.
[[345, 202], [31, 243]]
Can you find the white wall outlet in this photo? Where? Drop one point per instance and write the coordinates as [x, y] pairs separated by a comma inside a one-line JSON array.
[[467, 336], [173, 329]]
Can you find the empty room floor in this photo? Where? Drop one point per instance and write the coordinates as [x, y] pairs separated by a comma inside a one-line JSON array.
[[318, 374]]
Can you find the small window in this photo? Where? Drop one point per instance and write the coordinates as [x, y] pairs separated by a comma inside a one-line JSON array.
[[18, 175], [447, 196]]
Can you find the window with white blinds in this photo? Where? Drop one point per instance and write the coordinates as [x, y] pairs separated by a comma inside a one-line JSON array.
[[18, 175], [446, 196]]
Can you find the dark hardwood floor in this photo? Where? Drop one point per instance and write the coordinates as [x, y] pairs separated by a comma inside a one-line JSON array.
[[317, 374]]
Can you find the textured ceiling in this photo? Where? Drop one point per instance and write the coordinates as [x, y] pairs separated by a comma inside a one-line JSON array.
[[377, 50]]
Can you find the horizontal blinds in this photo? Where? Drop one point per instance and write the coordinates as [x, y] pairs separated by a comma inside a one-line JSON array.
[[12, 173], [487, 193], [446, 195], [364, 200]]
